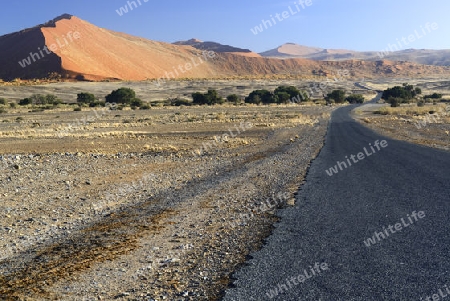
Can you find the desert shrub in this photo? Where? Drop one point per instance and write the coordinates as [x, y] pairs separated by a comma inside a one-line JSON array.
[[401, 94], [77, 109], [25, 101], [261, 96], [421, 103], [395, 101], [234, 98], [180, 102], [433, 96], [122, 96], [87, 98], [283, 97], [13, 105], [97, 103], [337, 95], [145, 107], [136, 102], [2, 111], [209, 98], [3, 101], [355, 98], [285, 93]]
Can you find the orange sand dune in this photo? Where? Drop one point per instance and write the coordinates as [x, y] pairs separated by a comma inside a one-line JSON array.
[[77, 49]]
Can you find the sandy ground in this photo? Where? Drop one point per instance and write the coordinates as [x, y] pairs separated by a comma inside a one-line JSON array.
[[429, 125]]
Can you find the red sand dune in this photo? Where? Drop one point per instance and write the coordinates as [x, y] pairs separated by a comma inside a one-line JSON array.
[[80, 50]]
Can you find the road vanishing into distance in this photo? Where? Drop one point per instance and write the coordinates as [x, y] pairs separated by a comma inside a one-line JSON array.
[[375, 226]]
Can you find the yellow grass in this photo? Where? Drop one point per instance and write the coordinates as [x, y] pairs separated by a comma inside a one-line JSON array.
[[412, 110]]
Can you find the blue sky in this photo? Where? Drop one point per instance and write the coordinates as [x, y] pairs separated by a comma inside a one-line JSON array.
[[349, 24]]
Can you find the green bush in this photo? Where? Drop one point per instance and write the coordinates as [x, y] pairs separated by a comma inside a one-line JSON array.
[[433, 96], [402, 94], [122, 96], [261, 96], [3, 101], [136, 102], [97, 103], [395, 101], [25, 101], [286, 93], [87, 98], [337, 95], [209, 98], [234, 98], [180, 102], [355, 98]]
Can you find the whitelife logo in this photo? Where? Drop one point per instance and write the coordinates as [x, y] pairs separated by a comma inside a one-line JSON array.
[[361, 156], [296, 280], [280, 17], [410, 39], [130, 4], [378, 236], [35, 56]]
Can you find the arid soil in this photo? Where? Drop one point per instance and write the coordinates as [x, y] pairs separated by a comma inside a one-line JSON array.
[[145, 205], [429, 125]]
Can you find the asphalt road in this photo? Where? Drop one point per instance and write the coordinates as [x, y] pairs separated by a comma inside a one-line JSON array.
[[401, 190]]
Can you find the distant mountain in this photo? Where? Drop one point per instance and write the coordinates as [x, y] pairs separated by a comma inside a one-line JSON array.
[[216, 47], [420, 56], [76, 49]]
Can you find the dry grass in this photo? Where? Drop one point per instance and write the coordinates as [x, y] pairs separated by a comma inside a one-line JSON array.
[[412, 110]]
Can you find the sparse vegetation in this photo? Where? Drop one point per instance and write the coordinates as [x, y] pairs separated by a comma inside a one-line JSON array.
[[433, 96], [338, 96], [86, 98], [261, 97], [209, 98], [355, 98], [234, 98], [122, 96], [400, 94]]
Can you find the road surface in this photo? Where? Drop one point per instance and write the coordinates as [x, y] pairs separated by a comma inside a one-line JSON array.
[[376, 229]]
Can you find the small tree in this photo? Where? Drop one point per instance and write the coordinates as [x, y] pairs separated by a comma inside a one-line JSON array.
[[234, 98], [433, 96], [210, 98], [283, 97], [52, 99], [85, 98], [337, 95], [355, 98], [136, 103], [122, 95], [261, 96], [38, 99], [25, 101], [395, 101], [200, 98], [290, 90]]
